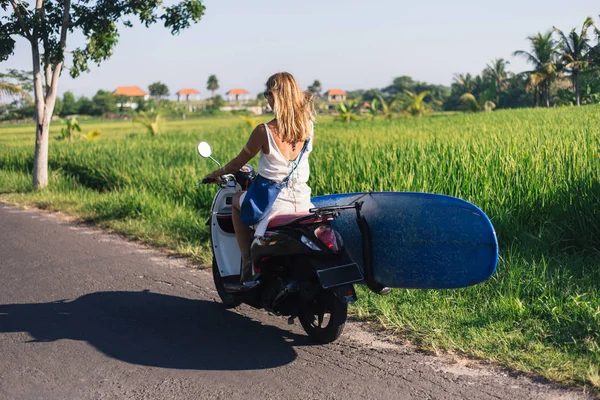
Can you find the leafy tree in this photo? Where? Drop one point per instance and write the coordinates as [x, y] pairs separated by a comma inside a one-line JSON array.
[[399, 85], [84, 106], [212, 84], [370, 95], [217, 102], [17, 109], [46, 25], [315, 88], [103, 102], [355, 94], [403, 83], [158, 90], [69, 104], [516, 93], [574, 51]]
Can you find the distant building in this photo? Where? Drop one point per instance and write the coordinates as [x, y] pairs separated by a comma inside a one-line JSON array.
[[187, 93], [336, 95], [237, 95], [129, 93]]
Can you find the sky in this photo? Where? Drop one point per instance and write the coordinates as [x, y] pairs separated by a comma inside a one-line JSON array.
[[351, 44]]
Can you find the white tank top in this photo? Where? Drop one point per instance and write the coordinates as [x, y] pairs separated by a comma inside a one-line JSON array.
[[276, 167], [293, 198]]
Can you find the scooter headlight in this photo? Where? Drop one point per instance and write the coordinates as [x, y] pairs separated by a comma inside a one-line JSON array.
[[329, 237]]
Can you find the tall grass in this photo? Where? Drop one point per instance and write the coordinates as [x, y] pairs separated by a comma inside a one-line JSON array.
[[536, 173]]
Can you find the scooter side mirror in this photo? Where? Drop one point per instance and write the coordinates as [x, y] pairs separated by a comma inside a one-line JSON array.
[[204, 149]]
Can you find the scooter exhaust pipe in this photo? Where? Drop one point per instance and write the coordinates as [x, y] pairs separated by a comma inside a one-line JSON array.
[[290, 288]]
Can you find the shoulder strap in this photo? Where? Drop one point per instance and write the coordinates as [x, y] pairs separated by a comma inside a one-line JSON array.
[[287, 178]]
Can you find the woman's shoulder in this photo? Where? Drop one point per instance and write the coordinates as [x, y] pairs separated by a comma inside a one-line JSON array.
[[259, 135]]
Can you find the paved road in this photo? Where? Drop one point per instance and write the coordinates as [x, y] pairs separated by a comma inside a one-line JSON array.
[[88, 315]]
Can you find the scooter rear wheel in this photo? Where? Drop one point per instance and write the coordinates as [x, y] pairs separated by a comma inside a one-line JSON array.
[[228, 299], [327, 306]]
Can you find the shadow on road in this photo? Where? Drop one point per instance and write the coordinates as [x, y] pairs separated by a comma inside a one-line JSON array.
[[156, 330]]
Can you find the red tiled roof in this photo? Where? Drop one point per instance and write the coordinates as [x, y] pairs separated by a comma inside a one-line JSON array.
[[336, 92], [129, 91], [187, 91], [237, 91]]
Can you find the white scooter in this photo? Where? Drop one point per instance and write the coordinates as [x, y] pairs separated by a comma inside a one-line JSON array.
[[300, 268]]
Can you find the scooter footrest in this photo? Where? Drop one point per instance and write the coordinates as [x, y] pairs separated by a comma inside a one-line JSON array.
[[241, 287]]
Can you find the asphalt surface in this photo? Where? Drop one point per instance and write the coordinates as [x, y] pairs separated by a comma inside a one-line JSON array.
[[88, 315]]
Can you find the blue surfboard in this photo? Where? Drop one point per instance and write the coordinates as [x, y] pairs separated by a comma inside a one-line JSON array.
[[420, 240]]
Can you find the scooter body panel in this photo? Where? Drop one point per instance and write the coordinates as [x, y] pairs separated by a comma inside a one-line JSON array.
[[223, 241]]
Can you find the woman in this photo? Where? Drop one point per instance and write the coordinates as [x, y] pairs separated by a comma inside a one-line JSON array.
[[280, 143]]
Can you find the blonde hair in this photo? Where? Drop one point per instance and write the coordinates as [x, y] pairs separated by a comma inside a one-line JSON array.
[[293, 108]]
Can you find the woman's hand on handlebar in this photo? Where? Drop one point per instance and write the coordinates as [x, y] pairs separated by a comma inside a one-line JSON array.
[[213, 177]]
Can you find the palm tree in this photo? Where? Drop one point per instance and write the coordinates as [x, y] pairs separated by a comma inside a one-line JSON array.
[[464, 82], [496, 72], [477, 104], [543, 58], [574, 50], [212, 84], [595, 50], [8, 89], [417, 106]]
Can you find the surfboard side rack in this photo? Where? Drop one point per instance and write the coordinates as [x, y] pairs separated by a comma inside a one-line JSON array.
[[367, 248]]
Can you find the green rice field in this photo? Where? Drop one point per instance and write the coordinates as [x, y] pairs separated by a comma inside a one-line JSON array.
[[535, 173]]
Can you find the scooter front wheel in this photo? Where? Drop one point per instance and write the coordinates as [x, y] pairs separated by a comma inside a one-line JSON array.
[[228, 299], [324, 318]]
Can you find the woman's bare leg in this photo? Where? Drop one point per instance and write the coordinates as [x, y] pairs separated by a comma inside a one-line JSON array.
[[243, 234]]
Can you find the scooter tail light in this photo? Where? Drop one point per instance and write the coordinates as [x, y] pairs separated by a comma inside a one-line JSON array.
[[328, 237]]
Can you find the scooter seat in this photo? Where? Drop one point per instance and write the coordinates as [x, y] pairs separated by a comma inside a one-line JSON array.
[[283, 219]]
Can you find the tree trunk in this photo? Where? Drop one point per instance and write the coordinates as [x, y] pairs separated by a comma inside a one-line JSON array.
[[40, 161], [45, 100], [40, 164], [44, 106], [577, 89], [547, 89], [536, 97]]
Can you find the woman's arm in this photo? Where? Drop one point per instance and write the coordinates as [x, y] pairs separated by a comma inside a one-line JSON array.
[[256, 141]]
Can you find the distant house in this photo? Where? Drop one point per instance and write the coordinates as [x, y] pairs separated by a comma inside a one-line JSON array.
[[336, 95], [237, 94], [187, 92], [129, 93]]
